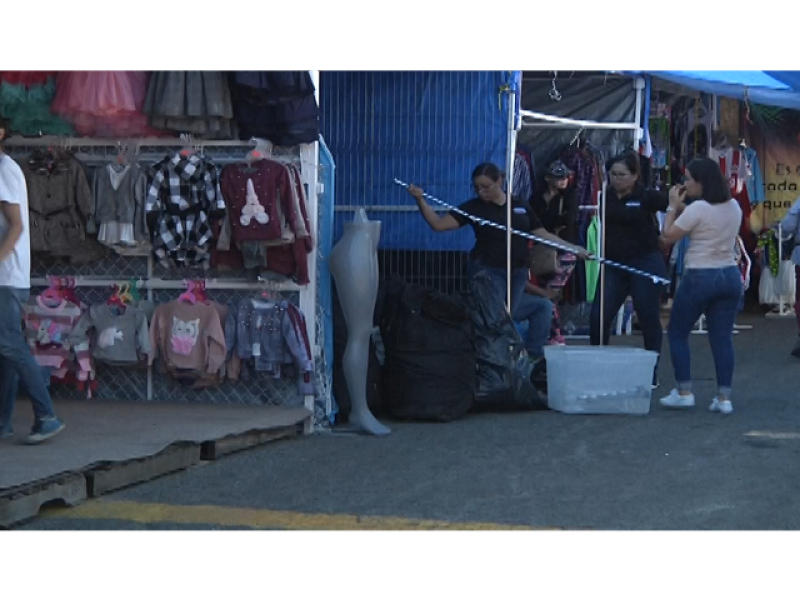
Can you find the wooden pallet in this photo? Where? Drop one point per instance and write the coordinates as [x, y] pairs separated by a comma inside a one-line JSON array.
[[216, 449], [24, 502], [113, 476]]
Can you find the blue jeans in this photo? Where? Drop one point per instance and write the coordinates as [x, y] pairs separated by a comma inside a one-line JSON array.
[[538, 312], [714, 293], [519, 277], [646, 297], [17, 365]]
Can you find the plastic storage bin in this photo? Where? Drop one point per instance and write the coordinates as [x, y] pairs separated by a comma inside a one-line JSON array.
[[591, 380]]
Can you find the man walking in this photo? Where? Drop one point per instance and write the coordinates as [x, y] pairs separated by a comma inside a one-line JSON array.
[[17, 365]]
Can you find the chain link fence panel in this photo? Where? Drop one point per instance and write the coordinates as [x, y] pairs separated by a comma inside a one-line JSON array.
[[131, 384]]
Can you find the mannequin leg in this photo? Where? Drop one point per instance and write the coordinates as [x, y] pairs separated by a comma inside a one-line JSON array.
[[356, 356], [355, 295]]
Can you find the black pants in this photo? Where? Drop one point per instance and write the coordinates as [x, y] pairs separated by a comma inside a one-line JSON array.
[[646, 297]]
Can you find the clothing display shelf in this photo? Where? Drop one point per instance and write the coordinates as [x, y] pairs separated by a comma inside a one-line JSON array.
[[95, 279]]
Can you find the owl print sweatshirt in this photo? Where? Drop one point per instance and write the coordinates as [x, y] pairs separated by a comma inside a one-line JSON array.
[[188, 337]]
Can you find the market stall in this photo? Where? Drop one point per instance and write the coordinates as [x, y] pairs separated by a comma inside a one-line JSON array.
[[175, 214], [747, 121]]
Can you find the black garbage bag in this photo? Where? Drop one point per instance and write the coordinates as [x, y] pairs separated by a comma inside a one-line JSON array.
[[504, 368], [429, 370]]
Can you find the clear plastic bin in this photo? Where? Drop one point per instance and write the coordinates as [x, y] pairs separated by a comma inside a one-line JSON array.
[[592, 380]]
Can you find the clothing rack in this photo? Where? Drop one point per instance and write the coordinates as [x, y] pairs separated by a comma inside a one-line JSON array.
[[78, 144], [784, 309]]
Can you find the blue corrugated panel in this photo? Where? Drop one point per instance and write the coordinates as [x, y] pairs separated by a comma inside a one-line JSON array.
[[428, 127]]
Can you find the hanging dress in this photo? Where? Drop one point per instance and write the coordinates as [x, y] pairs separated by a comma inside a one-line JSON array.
[[25, 98], [103, 103], [195, 102], [279, 106]]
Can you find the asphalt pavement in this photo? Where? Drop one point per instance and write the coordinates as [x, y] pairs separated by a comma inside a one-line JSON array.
[[672, 470]]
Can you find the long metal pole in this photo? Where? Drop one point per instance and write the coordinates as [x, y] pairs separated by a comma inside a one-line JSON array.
[[578, 123], [602, 289], [510, 151], [638, 84]]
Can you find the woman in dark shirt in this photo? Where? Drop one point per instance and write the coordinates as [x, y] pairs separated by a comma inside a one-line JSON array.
[[489, 252], [632, 238], [556, 206]]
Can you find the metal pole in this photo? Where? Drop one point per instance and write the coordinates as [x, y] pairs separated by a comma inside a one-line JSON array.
[[780, 264], [510, 151], [602, 194], [638, 84], [150, 298], [577, 123]]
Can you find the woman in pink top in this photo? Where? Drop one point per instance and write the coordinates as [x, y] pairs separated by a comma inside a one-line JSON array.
[[711, 284]]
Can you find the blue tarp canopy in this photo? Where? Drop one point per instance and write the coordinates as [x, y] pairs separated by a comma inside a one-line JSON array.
[[771, 88], [431, 128]]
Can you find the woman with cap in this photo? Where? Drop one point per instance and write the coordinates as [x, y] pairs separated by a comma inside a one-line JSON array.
[[557, 207], [489, 252], [632, 238]]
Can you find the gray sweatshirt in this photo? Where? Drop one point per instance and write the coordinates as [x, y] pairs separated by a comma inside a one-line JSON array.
[[119, 340]]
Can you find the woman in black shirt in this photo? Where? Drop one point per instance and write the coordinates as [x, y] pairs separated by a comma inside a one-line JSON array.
[[632, 238], [489, 252], [556, 206]]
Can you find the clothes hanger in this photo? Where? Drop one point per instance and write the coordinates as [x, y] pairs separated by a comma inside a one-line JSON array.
[[263, 149], [188, 145], [133, 290], [577, 137], [53, 293], [188, 295], [124, 293], [200, 291], [122, 154], [115, 299]]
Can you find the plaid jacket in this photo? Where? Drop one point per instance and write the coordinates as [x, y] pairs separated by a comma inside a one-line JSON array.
[[184, 196]]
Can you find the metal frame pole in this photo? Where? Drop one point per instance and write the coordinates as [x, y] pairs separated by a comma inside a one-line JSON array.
[[510, 152]]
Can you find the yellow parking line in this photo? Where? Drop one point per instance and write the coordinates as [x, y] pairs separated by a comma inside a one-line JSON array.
[[257, 518]]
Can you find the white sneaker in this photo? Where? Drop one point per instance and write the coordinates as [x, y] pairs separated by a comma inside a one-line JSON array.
[[725, 407], [674, 400]]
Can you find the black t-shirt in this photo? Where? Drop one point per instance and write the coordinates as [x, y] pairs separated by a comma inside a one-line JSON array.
[[631, 224], [490, 242], [561, 213]]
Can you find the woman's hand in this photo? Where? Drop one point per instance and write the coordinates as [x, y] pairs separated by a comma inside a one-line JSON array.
[[676, 196], [582, 253], [416, 192], [552, 295]]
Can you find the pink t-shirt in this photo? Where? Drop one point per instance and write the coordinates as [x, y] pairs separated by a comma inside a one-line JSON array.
[[712, 231]]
